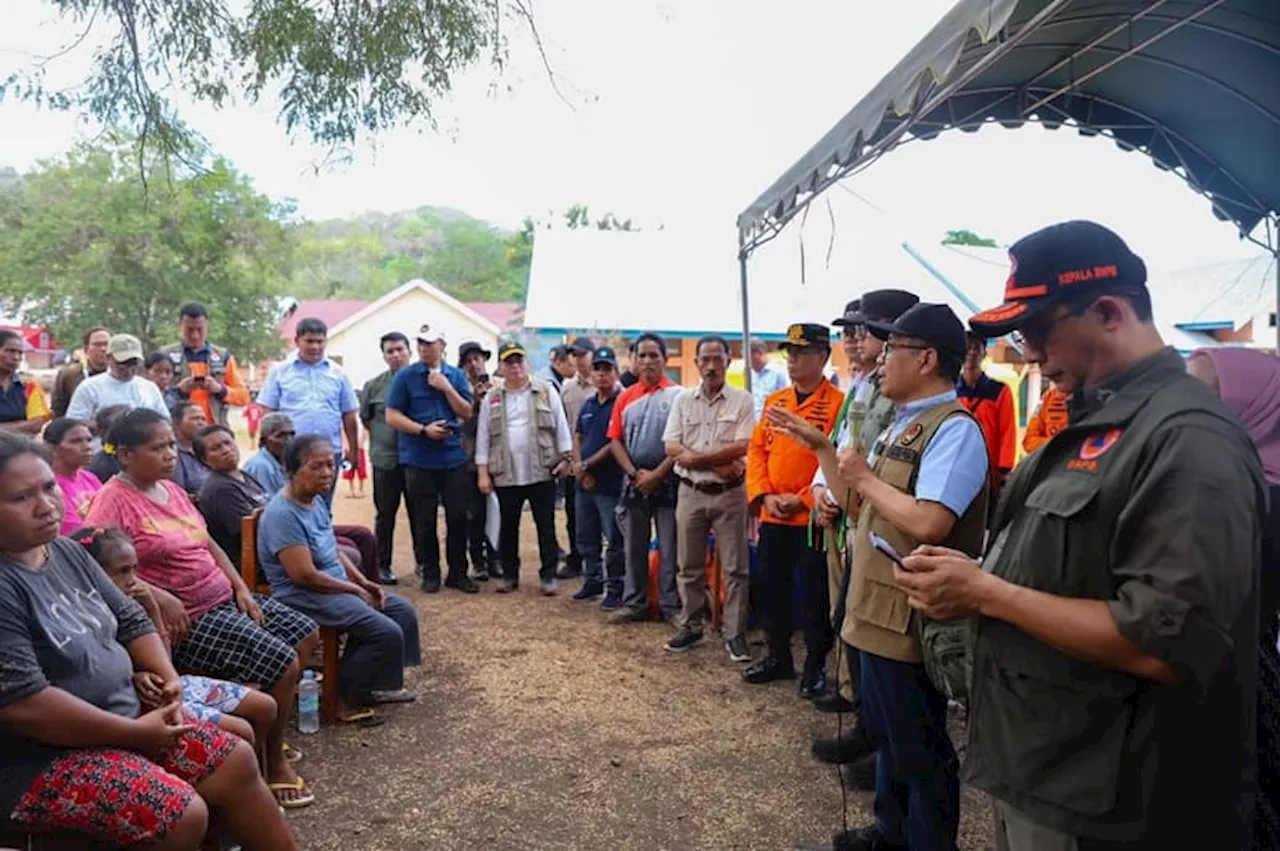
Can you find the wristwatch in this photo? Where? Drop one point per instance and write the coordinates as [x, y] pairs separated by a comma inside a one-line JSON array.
[[422, 430]]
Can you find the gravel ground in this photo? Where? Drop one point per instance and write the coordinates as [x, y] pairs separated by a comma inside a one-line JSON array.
[[542, 727]]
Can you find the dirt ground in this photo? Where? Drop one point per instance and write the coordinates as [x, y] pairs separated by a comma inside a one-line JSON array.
[[542, 727]]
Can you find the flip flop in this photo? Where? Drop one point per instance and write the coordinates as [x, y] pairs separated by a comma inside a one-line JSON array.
[[363, 718], [400, 695], [304, 800], [291, 754]]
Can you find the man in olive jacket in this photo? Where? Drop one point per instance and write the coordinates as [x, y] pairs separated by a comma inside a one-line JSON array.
[[1116, 611]]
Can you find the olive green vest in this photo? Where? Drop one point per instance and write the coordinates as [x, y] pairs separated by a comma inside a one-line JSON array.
[[877, 616], [542, 437], [1068, 742]]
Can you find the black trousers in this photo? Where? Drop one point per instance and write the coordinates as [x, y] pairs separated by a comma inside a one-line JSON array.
[[388, 488], [569, 490], [541, 497], [478, 547], [784, 554], [426, 491]]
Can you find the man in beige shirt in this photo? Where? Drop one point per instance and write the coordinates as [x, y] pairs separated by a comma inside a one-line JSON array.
[[707, 434], [574, 391]]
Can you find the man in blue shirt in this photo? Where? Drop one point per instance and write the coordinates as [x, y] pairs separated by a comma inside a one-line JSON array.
[[427, 404], [598, 485], [315, 393]]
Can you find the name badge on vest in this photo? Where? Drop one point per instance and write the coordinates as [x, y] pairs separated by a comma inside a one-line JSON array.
[[898, 452], [911, 435]]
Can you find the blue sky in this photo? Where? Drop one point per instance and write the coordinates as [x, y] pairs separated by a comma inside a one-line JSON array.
[[680, 113]]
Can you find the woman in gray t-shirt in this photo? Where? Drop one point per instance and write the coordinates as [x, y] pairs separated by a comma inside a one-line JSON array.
[[76, 752]]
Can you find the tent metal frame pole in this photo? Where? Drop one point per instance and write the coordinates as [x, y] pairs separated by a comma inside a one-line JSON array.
[[744, 254]]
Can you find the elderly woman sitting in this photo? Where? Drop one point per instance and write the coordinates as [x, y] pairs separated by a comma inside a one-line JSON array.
[[300, 557], [228, 494], [266, 466], [77, 753]]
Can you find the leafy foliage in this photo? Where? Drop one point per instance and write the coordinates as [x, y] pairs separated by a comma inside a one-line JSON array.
[[101, 237], [968, 238], [337, 68]]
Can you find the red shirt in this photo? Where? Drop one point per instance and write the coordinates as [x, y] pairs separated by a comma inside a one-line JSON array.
[[253, 417], [636, 391]]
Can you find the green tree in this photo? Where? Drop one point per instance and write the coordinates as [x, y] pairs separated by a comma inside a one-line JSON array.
[[968, 238], [337, 69], [101, 236]]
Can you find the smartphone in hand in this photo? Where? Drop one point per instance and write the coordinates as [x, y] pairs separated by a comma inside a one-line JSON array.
[[888, 549]]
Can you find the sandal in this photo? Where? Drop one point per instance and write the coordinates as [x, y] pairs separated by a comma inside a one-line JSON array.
[[363, 718], [291, 754], [306, 799]]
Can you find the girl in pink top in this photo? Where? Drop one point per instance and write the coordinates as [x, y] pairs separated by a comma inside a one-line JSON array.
[[71, 444]]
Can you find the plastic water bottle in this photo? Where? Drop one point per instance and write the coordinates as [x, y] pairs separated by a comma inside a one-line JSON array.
[[308, 703]]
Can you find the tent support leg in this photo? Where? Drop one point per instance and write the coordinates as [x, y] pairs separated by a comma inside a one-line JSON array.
[[743, 254]]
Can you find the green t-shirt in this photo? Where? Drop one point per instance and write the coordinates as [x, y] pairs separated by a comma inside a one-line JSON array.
[[384, 449]]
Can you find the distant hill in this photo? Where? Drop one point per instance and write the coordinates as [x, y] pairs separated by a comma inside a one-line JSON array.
[[366, 256]]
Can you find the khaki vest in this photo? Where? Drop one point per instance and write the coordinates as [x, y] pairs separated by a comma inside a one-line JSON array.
[[218, 358], [542, 422], [877, 616]]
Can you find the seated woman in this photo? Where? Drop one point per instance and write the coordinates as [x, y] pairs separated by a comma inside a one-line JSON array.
[[218, 627], [229, 494], [358, 543], [188, 418], [77, 753], [300, 557], [235, 708], [71, 443]]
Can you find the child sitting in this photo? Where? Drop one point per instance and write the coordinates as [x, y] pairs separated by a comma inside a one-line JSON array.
[[231, 706]]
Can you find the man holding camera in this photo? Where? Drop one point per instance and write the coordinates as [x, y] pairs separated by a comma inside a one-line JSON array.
[[473, 359], [428, 403]]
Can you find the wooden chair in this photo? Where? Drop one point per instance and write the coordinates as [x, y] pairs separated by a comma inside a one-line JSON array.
[[252, 576]]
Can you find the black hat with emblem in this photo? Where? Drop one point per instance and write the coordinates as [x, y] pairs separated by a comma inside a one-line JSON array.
[[604, 355], [935, 324], [802, 334]]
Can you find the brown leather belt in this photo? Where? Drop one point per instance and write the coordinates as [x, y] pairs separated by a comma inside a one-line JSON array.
[[712, 488]]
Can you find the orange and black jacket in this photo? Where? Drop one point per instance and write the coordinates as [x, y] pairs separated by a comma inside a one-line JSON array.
[[776, 464], [991, 403], [1049, 419]]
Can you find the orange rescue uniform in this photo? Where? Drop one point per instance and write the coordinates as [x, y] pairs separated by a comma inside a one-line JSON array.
[[776, 464], [1049, 419]]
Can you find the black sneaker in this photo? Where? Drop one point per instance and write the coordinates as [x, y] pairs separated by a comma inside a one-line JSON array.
[[627, 615], [769, 669], [860, 775], [612, 601], [684, 640], [569, 570], [589, 591], [388, 577], [850, 747], [430, 584], [463, 584], [864, 839], [813, 684], [737, 649], [480, 574]]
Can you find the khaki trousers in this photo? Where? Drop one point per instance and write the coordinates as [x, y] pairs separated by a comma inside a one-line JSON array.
[[698, 513], [835, 585]]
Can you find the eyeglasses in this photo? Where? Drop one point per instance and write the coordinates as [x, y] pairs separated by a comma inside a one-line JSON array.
[[890, 348], [1036, 332]]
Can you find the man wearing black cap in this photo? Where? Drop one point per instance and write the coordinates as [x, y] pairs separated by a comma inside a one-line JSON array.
[[862, 418], [924, 481], [1115, 639], [575, 390], [473, 360], [779, 472]]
